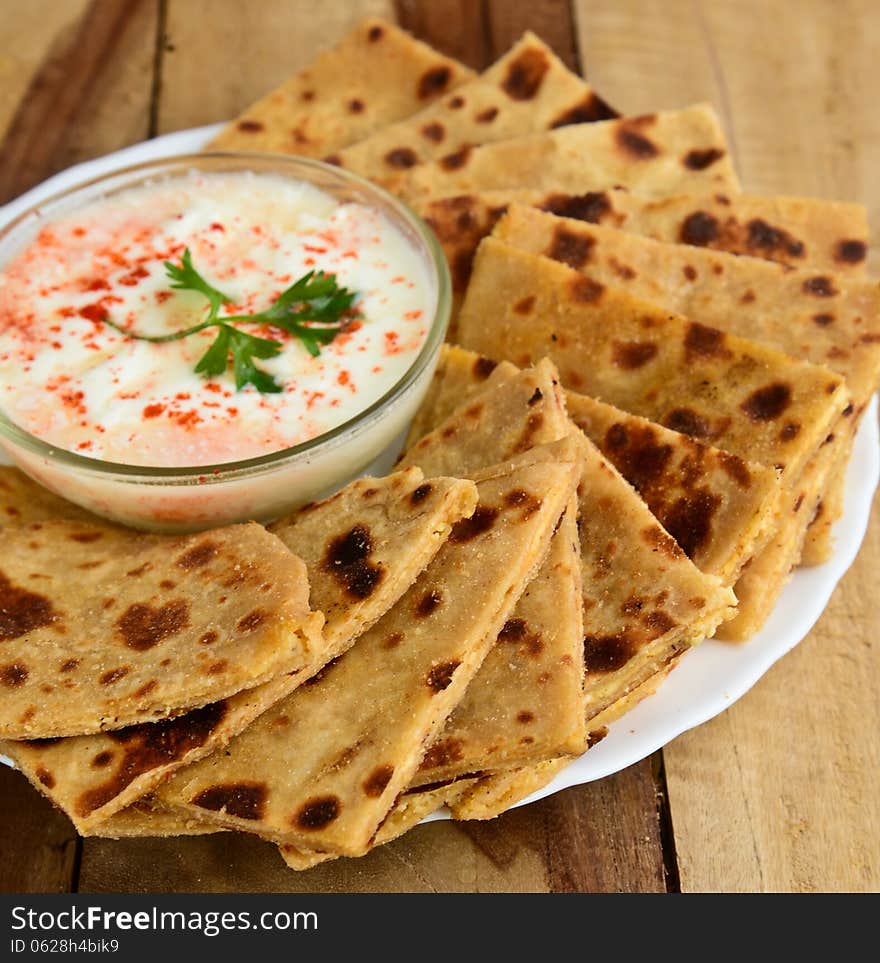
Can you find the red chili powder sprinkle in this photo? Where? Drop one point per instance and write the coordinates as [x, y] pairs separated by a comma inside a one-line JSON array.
[[187, 419], [153, 411]]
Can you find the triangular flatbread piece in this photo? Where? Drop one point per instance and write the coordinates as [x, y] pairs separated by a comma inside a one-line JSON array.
[[818, 317], [151, 625], [720, 508], [376, 75], [393, 526], [529, 89], [797, 231], [668, 152], [737, 395], [322, 768]]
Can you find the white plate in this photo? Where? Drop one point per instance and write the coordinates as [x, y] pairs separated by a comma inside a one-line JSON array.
[[712, 676]]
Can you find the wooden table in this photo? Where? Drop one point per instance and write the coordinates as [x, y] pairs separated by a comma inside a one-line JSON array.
[[781, 792]]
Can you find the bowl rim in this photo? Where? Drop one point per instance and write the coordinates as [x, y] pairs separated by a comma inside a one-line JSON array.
[[230, 470]]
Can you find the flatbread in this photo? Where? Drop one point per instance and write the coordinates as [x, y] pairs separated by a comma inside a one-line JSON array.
[[749, 297], [739, 396], [720, 508], [376, 75], [322, 769], [526, 700], [409, 809], [822, 318], [529, 89], [92, 777], [151, 625], [670, 152], [629, 623], [493, 795], [146, 818], [524, 411], [798, 231], [767, 573]]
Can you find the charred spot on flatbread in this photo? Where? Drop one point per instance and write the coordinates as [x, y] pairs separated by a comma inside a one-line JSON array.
[[401, 158], [689, 519], [199, 555], [428, 603], [467, 529], [570, 248], [630, 355], [440, 676], [433, 82], [434, 131], [704, 342], [149, 746], [821, 286], [347, 559], [632, 142], [588, 110], [14, 674], [246, 800], [457, 159], [375, 784], [850, 251], [767, 238], [699, 160], [318, 812], [143, 625], [607, 653], [486, 116], [699, 229], [592, 207], [767, 403], [525, 75], [22, 611], [442, 753]]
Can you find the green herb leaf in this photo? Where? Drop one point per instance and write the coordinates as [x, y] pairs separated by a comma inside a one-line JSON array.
[[186, 278], [313, 309], [244, 348]]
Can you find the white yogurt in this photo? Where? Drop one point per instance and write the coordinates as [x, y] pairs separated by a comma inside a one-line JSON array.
[[75, 382]]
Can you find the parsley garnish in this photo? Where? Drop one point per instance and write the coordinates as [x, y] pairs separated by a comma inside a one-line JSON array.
[[313, 309]]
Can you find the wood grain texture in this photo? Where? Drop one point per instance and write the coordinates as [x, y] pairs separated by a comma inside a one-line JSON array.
[[38, 845], [477, 32], [218, 56], [566, 843], [781, 792], [91, 94], [28, 31]]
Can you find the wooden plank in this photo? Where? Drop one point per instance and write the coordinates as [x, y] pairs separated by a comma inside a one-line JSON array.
[[88, 94], [221, 55], [28, 30], [456, 27], [91, 95], [479, 31], [38, 845], [781, 792], [552, 20], [580, 840]]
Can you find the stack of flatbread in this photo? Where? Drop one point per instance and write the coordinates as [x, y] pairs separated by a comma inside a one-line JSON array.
[[640, 426]]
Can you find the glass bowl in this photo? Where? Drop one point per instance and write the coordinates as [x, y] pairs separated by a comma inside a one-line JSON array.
[[260, 488]]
